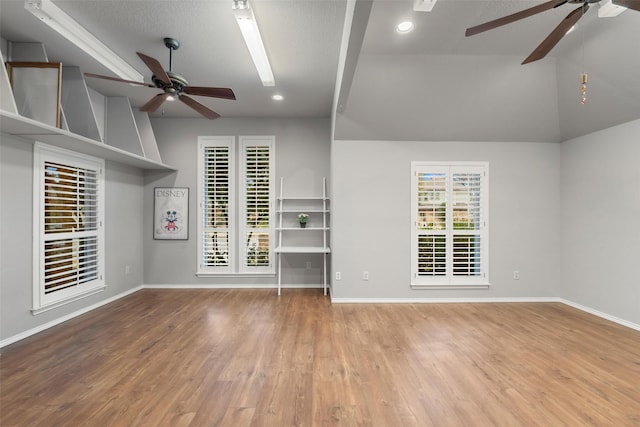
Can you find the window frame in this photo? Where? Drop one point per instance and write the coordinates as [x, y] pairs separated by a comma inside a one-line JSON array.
[[41, 300], [449, 280], [237, 206]]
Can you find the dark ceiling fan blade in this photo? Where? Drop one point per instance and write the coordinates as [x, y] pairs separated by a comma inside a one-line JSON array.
[[154, 103], [133, 82], [205, 111], [514, 17], [630, 4], [214, 92], [556, 35], [155, 67]]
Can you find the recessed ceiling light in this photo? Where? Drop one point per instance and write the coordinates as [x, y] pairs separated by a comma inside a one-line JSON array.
[[277, 97], [405, 27]]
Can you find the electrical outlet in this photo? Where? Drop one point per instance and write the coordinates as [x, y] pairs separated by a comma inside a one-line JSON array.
[[127, 269], [365, 275], [338, 275], [308, 265], [516, 275]]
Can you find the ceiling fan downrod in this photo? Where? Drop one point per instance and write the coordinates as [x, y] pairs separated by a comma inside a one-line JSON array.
[[172, 44]]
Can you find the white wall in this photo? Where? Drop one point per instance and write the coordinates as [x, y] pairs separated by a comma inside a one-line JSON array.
[[601, 221], [371, 217], [302, 158], [123, 230], [451, 98]]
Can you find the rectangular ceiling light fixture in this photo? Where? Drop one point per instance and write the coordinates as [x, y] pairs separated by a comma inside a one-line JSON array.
[[67, 27], [609, 10], [249, 29], [423, 5]]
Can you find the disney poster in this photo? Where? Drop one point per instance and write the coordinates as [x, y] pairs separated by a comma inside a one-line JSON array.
[[171, 213]]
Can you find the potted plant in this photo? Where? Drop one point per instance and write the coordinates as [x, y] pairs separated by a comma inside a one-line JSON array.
[[302, 219]]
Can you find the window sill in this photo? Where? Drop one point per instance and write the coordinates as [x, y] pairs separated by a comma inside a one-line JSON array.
[[464, 286], [210, 274], [68, 300]]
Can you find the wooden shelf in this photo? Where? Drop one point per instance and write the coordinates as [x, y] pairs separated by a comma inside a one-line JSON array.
[[32, 130]]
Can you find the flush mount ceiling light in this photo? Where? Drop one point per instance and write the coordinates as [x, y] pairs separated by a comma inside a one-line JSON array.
[[277, 97], [249, 29], [64, 25], [405, 27]]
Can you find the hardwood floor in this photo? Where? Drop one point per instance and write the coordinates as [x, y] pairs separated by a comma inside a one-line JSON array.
[[251, 358]]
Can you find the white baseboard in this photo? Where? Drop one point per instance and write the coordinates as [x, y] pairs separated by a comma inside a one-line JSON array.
[[601, 314], [438, 300], [40, 328], [227, 286]]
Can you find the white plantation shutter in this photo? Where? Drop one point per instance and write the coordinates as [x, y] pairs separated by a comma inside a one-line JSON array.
[[69, 204], [235, 222], [449, 206], [216, 206], [216, 196], [257, 195]]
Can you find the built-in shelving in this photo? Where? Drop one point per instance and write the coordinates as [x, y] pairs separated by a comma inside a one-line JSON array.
[[293, 238], [130, 139], [32, 130]]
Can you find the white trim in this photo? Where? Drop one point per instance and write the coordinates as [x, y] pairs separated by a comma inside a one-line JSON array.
[[601, 314], [45, 326], [74, 297], [232, 286], [439, 300]]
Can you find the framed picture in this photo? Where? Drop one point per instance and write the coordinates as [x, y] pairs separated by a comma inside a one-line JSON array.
[[36, 87], [171, 213]]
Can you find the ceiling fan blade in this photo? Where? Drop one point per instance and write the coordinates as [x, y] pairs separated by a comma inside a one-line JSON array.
[[205, 111], [556, 35], [154, 103], [133, 82], [214, 92], [155, 67], [630, 4], [514, 17]]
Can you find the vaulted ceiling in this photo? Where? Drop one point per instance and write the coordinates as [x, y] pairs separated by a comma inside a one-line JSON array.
[[431, 84]]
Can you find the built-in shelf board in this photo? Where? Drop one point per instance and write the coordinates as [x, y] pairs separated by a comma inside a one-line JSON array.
[[32, 130]]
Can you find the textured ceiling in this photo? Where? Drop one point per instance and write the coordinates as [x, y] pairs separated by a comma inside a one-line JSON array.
[[303, 39]]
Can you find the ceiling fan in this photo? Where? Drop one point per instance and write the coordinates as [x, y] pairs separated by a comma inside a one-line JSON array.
[[173, 85], [556, 35]]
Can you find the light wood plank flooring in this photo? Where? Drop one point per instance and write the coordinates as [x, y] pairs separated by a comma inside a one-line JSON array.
[[251, 358]]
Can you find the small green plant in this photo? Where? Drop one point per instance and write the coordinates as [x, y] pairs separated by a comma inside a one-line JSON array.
[[303, 218]]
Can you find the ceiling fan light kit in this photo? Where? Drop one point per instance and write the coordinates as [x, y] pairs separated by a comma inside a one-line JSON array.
[[561, 30], [63, 24]]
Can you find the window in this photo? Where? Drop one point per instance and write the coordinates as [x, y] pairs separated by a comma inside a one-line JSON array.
[[235, 223], [68, 212], [449, 224]]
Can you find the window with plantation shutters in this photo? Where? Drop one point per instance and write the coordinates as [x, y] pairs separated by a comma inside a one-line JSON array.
[[68, 202], [236, 198], [256, 197], [216, 202], [449, 224]]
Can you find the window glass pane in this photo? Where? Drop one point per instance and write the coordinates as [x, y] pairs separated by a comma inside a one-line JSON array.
[[466, 256], [216, 186], [432, 256], [432, 201], [216, 248], [466, 201], [257, 244]]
